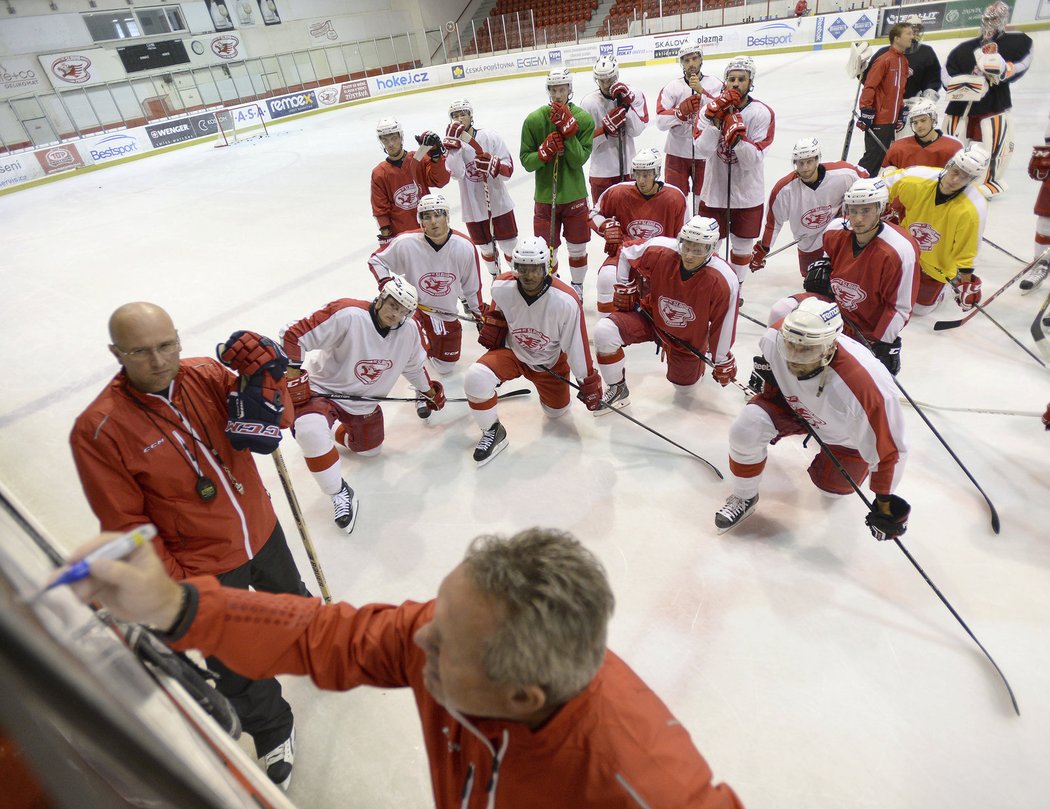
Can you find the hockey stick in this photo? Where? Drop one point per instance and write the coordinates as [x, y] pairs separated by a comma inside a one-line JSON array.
[[867, 344], [782, 249], [300, 523], [871, 507], [554, 218], [470, 141], [941, 325], [1038, 334], [1004, 250], [618, 412], [754, 320], [988, 410], [852, 120], [1002, 328], [349, 397], [729, 211], [692, 159], [457, 315]]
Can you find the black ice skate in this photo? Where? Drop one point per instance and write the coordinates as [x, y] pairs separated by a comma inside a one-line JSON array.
[[616, 397], [345, 505], [492, 443], [734, 512], [1035, 276]]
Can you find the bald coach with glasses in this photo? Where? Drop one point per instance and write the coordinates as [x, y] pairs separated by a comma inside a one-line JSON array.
[[170, 441]]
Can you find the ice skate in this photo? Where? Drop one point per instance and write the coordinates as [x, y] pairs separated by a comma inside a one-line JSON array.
[[734, 512], [493, 442]]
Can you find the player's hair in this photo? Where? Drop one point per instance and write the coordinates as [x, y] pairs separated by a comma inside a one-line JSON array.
[[558, 603], [897, 30]]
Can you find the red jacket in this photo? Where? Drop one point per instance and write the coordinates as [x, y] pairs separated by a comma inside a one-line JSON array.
[[614, 746], [398, 187], [134, 469], [884, 86]]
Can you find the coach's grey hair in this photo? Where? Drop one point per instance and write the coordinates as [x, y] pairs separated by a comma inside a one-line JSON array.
[[558, 603]]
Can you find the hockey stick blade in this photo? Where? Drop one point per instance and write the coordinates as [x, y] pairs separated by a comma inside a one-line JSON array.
[[1038, 334]]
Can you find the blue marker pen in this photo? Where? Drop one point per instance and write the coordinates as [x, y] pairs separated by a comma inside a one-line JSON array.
[[116, 549]]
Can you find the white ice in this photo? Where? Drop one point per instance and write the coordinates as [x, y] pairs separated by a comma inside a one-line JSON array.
[[813, 666]]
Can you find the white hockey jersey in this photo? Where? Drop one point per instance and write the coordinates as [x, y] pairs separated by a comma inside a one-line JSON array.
[[808, 210], [345, 353], [747, 157], [605, 154], [858, 407], [441, 274], [460, 164], [540, 330], [680, 134]]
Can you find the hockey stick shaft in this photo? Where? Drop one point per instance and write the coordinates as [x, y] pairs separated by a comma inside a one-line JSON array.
[[942, 325], [1004, 330], [469, 140], [300, 523], [986, 410], [457, 315], [1038, 334], [754, 320], [554, 214], [351, 398], [782, 249], [852, 120], [633, 420], [1007, 252]]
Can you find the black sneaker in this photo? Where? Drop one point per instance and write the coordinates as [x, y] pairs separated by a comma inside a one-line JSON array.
[[345, 505], [1035, 276], [279, 761], [616, 397], [493, 442], [734, 512]]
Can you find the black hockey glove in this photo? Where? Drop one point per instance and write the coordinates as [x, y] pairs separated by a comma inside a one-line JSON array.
[[761, 375], [889, 354], [892, 525], [818, 279]]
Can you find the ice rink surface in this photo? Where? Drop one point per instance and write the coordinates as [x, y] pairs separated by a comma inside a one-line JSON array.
[[813, 666]]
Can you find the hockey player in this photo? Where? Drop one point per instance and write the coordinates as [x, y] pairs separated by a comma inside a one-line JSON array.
[[556, 141], [928, 146], [807, 199], [882, 99], [809, 371], [1039, 170], [924, 74], [978, 74], [678, 114], [482, 183], [442, 265], [875, 270], [534, 322], [689, 293], [359, 349], [945, 214], [739, 130], [401, 179], [637, 211], [620, 115]]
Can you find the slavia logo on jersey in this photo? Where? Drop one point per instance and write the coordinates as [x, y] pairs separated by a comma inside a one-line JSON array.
[[407, 197], [810, 417], [848, 294], [531, 339], [925, 234], [474, 174], [369, 371], [437, 284], [817, 218], [725, 154], [675, 313], [644, 229]]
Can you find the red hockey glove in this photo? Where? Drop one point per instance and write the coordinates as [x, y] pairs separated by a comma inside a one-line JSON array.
[[718, 108], [892, 213], [299, 386], [488, 164], [1046, 418], [435, 396], [758, 257], [686, 111], [612, 232], [552, 146], [866, 118], [452, 133], [494, 330], [247, 353], [889, 518], [562, 117], [968, 291], [591, 391], [1039, 164], [622, 93], [725, 371], [626, 297], [613, 120], [733, 129]]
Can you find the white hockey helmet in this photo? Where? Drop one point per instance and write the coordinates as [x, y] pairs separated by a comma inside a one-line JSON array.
[[688, 49], [972, 161], [994, 19], [805, 147], [401, 291], [559, 76], [809, 333], [606, 69], [389, 126], [699, 230], [923, 107], [530, 250], [431, 202], [867, 191], [745, 63], [647, 160], [460, 105]]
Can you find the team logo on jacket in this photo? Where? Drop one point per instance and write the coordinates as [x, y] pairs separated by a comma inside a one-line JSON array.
[[811, 418], [407, 197], [817, 218], [437, 284], [848, 294], [675, 313], [474, 174], [644, 229], [531, 339], [725, 154], [925, 234], [369, 371]]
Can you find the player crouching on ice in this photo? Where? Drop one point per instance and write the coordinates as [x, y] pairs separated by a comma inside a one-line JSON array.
[[808, 370]]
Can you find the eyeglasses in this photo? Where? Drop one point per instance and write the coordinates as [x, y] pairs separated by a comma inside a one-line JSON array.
[[165, 349]]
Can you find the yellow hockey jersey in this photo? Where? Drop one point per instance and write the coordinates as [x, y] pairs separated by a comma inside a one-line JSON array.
[[948, 234]]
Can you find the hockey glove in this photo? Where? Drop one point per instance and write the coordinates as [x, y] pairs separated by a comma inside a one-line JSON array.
[[552, 146], [818, 279], [622, 93], [902, 119], [733, 129], [686, 111], [758, 257], [562, 117], [494, 331], [488, 164], [968, 291], [626, 297], [299, 386], [613, 234], [889, 354], [247, 352], [254, 412], [428, 138], [613, 120], [1039, 164], [992, 64], [452, 133], [718, 108], [1046, 418], [889, 517], [761, 375], [725, 371], [591, 391], [892, 213], [435, 397], [866, 118]]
